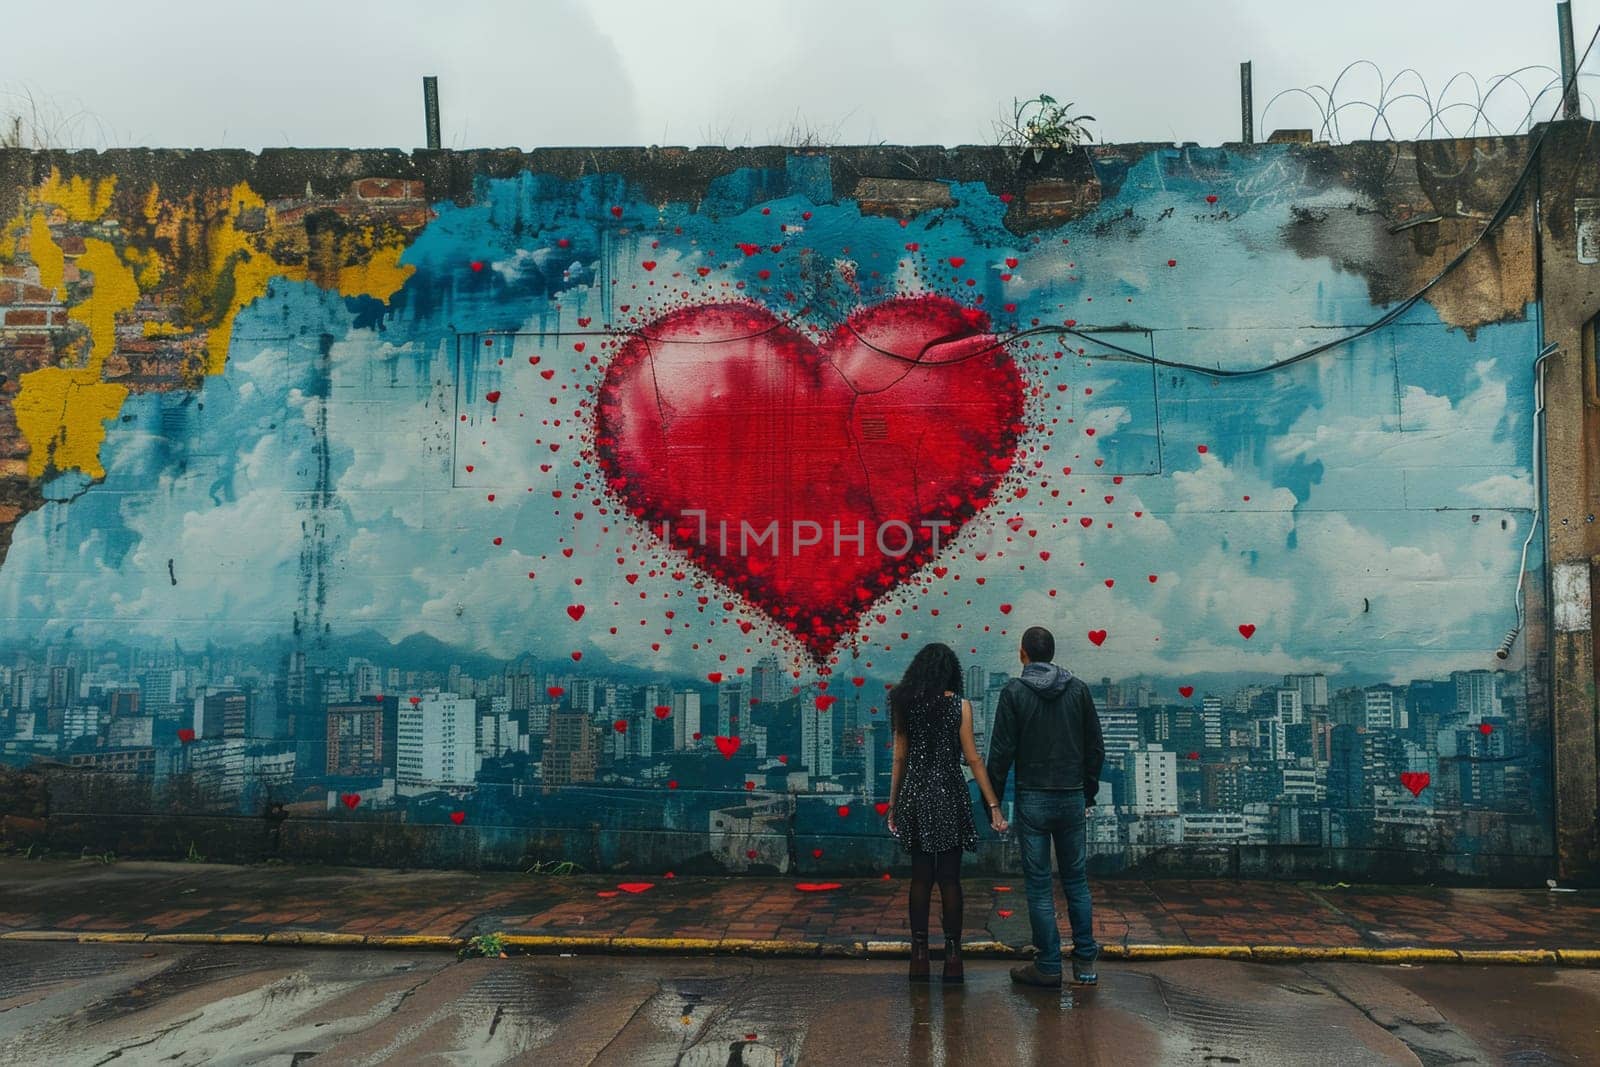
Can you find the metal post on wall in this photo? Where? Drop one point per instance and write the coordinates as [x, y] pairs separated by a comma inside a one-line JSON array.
[[1246, 104], [1569, 62], [430, 106]]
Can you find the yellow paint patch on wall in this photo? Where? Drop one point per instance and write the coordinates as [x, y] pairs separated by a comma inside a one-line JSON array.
[[80, 199], [62, 414], [114, 290], [47, 255], [380, 277], [247, 271]]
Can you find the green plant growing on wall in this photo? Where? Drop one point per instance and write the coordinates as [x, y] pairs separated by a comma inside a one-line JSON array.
[[553, 867], [194, 855], [1040, 124], [485, 946]]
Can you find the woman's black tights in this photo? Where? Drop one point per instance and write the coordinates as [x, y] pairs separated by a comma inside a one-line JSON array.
[[945, 869]]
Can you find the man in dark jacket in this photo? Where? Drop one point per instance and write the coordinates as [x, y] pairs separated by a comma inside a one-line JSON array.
[[1046, 724]]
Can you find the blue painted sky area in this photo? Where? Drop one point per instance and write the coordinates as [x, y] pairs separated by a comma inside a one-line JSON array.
[[1364, 510]]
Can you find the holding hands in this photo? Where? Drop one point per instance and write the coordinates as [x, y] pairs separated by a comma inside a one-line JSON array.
[[996, 820]]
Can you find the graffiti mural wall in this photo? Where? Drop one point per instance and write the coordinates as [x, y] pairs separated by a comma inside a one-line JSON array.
[[493, 511]]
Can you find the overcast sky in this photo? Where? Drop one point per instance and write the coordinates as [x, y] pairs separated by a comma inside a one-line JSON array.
[[524, 73]]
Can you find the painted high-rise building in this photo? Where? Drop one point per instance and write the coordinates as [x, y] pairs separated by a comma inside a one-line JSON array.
[[685, 719], [1152, 783], [436, 743], [816, 737]]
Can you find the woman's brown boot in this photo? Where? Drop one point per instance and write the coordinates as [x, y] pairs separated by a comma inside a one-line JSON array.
[[919, 958], [952, 960]]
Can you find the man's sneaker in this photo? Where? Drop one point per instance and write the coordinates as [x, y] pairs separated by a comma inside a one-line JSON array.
[[1083, 973], [1030, 974]]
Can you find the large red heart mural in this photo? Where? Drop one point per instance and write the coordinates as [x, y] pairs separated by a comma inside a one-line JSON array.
[[748, 442]]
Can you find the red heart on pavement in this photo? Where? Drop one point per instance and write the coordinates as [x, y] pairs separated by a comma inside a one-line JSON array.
[[727, 746], [816, 887], [1415, 781], [1004, 913], [674, 448], [635, 887]]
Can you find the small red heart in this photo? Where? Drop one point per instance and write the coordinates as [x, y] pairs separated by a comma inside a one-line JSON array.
[[751, 854], [784, 760], [606, 893], [458, 817], [1086, 522], [648, 264], [1211, 198], [617, 212], [844, 811], [476, 265], [1247, 630], [555, 692], [1098, 637], [672, 783], [1110, 582], [1415, 781], [575, 611], [620, 726], [715, 677], [1001, 888], [1152, 577], [727, 746], [881, 807], [749, 787], [815, 887], [1485, 729], [816, 853], [957, 261], [1186, 690], [351, 800], [185, 734], [635, 887], [497, 540], [1004, 913], [697, 735], [1172, 263], [662, 711], [1194, 755], [416, 700], [1200, 449], [1005, 609], [493, 396], [826, 701]]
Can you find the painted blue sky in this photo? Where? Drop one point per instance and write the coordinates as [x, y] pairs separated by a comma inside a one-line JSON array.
[[1363, 509]]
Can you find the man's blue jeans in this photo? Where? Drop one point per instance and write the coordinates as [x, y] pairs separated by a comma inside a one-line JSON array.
[[1046, 817]]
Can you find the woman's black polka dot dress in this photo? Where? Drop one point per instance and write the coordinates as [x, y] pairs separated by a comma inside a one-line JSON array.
[[934, 810]]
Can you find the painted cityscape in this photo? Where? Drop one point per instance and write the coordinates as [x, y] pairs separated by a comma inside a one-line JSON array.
[[1301, 759]]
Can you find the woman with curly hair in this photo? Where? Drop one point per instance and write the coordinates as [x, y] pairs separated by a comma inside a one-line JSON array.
[[930, 810]]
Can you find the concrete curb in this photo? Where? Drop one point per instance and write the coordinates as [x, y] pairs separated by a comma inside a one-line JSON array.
[[534, 944]]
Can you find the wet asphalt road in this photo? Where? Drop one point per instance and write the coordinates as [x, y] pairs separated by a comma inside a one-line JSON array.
[[135, 1004]]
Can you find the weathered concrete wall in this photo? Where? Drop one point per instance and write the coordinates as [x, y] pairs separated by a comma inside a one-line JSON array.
[[364, 505]]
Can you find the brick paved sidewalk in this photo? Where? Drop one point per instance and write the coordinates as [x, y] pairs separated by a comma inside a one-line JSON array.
[[84, 897]]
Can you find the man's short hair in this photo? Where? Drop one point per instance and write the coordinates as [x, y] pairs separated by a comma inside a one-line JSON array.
[[1038, 644]]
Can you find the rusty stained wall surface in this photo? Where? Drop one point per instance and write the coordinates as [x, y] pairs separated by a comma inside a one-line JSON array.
[[400, 499]]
